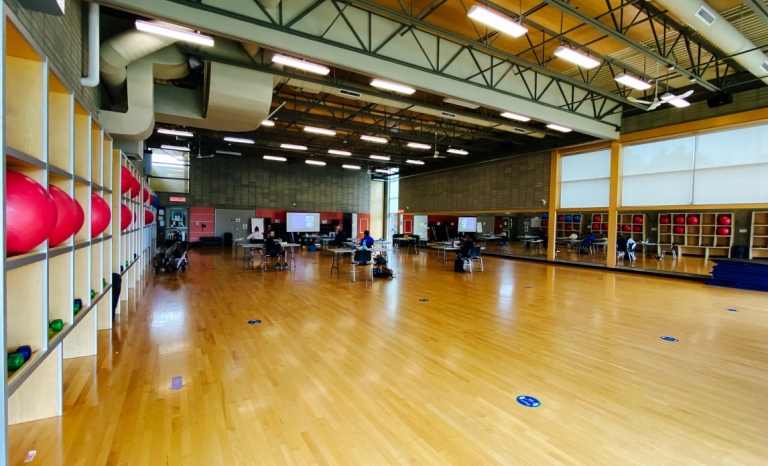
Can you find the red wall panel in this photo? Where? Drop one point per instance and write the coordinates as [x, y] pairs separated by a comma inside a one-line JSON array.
[[198, 216], [363, 223]]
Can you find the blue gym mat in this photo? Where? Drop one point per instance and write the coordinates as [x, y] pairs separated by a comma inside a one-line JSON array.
[[744, 274]]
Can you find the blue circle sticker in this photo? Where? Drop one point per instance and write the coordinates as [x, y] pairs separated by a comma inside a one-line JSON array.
[[424, 300], [254, 322], [672, 339], [730, 309], [528, 401]]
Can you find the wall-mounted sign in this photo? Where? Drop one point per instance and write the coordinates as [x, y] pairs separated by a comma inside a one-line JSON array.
[[178, 199]]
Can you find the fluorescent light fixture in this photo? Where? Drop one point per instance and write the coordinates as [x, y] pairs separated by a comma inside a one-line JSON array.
[[327, 132], [457, 151], [301, 64], [179, 34], [460, 103], [239, 140], [679, 103], [267, 123], [293, 147], [496, 21], [374, 139], [173, 132], [575, 57], [228, 152], [379, 157], [415, 162], [351, 167], [562, 129], [178, 148], [314, 162], [632, 82], [276, 159], [390, 86], [418, 145], [515, 116], [382, 170], [339, 152]]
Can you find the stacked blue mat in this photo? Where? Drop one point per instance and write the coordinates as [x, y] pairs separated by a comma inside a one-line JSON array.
[[740, 273]]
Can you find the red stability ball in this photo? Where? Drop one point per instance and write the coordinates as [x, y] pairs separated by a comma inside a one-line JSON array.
[[627, 227], [637, 228], [126, 180], [723, 231], [679, 220], [724, 220], [544, 223], [149, 217], [80, 217], [596, 218], [30, 213], [135, 187], [692, 220], [100, 215], [125, 217], [664, 220], [67, 217], [146, 195], [638, 219], [605, 226], [560, 218], [679, 230], [595, 226], [568, 226]]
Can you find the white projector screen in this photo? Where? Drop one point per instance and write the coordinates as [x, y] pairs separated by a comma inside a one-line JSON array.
[[468, 224], [303, 222]]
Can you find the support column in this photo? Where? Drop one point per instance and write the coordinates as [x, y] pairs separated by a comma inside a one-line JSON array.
[[613, 202], [554, 203]]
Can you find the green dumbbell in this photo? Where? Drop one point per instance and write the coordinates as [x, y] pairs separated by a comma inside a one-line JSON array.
[[93, 294], [57, 325], [126, 264], [78, 305], [104, 282], [14, 361]]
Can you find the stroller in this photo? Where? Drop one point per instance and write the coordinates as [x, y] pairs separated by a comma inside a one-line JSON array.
[[172, 258]]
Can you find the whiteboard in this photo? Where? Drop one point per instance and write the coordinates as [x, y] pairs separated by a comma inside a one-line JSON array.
[[257, 222]]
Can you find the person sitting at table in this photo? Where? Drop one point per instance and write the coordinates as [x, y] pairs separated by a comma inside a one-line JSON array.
[[585, 245], [256, 234], [466, 246], [621, 246], [367, 240], [543, 237], [273, 249], [340, 238]]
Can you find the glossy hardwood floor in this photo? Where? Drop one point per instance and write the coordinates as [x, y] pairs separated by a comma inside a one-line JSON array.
[[368, 374]]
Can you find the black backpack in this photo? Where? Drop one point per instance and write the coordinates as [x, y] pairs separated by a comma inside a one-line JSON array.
[[458, 265]]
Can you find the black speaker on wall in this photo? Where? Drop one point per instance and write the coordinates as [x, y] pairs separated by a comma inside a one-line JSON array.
[[722, 98], [335, 222]]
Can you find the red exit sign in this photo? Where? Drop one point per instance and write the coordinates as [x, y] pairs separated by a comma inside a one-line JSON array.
[[178, 199]]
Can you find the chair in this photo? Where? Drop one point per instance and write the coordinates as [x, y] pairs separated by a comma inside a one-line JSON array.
[[537, 246], [362, 258], [265, 255], [672, 251], [474, 256]]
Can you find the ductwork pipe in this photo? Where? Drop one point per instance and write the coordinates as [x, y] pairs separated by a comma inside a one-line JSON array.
[[721, 34], [92, 80]]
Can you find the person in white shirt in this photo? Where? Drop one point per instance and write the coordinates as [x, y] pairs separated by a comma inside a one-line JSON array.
[[256, 234]]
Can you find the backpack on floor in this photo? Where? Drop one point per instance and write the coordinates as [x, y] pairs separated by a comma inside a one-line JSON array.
[[382, 272], [458, 265]]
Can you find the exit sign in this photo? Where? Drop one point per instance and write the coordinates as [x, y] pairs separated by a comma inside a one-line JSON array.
[[178, 199]]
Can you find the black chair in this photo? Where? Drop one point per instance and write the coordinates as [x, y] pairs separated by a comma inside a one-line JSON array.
[[362, 258], [266, 254], [474, 256]]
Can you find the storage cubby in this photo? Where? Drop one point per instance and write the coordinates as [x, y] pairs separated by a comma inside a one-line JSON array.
[[60, 287], [40, 395], [96, 155], [60, 123], [633, 225], [25, 315], [569, 223], [697, 233], [82, 137], [599, 220], [758, 236]]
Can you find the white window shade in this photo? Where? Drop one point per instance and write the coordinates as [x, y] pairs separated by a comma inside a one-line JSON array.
[[586, 166], [585, 179], [659, 157], [743, 146], [671, 188], [738, 184]]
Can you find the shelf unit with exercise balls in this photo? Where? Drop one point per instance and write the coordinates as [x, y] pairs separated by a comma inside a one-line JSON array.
[[632, 224], [758, 236], [697, 233], [62, 237], [569, 223]]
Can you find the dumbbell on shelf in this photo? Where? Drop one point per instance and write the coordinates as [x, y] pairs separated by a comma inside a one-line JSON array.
[[17, 359], [78, 305]]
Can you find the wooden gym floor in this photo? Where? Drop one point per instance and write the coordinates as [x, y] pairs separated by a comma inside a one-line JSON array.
[[367, 373]]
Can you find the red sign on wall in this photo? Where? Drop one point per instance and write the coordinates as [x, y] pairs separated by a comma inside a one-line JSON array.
[[178, 199]]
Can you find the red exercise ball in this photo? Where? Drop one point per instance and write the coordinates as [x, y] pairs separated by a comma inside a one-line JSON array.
[[134, 217], [66, 220], [568, 226], [664, 220], [126, 180], [135, 187], [544, 223], [637, 229], [680, 220], [559, 218], [693, 220], [149, 217], [723, 231], [638, 219], [605, 226], [100, 215], [595, 226], [679, 230], [125, 217], [627, 227], [724, 220], [146, 195], [596, 218], [80, 217], [30, 213]]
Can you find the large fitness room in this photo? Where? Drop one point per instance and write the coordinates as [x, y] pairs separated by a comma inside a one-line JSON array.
[[385, 232]]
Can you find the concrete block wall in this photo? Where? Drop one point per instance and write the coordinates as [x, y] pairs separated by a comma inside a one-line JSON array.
[[228, 182], [744, 101], [64, 39], [519, 182]]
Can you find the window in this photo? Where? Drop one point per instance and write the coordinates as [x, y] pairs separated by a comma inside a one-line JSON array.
[[585, 179], [170, 171]]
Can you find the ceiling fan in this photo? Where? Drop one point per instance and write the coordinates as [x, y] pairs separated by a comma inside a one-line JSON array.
[[666, 98], [437, 152]]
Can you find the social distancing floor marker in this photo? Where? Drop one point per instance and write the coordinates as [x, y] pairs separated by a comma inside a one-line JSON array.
[[528, 401], [176, 383], [252, 322], [672, 339]]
